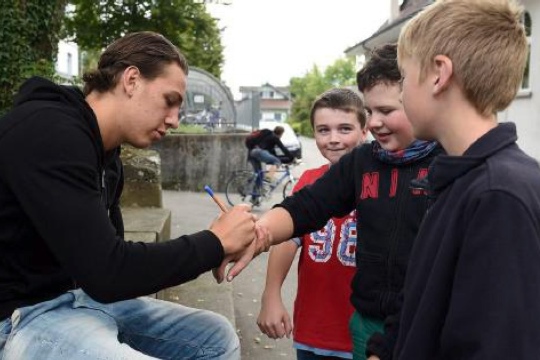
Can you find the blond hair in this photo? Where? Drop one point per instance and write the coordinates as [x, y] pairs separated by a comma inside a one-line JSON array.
[[484, 39]]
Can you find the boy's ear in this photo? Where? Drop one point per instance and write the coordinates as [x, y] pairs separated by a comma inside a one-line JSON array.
[[129, 80], [443, 70]]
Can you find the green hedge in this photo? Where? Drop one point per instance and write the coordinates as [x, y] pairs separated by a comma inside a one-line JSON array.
[[29, 37]]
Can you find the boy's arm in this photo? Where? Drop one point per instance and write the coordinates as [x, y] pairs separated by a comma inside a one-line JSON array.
[[332, 195], [274, 320], [273, 228]]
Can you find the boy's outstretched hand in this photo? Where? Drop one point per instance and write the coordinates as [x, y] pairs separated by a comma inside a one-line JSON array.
[[241, 260]]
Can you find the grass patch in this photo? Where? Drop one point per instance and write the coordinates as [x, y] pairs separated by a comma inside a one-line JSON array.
[[188, 129]]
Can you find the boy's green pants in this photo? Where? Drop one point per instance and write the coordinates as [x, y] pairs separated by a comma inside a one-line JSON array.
[[361, 328]]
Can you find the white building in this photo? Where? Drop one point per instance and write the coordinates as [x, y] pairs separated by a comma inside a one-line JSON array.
[[67, 62], [525, 109], [275, 101]]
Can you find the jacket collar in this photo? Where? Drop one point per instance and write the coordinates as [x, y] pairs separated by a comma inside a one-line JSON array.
[[445, 169]]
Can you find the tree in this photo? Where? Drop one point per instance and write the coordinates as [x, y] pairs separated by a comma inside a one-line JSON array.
[[93, 24], [305, 89], [29, 36]]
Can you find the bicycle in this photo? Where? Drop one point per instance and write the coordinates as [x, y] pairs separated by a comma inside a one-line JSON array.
[[251, 186]]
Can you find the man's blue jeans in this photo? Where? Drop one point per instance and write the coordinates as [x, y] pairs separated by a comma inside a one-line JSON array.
[[264, 156], [73, 326]]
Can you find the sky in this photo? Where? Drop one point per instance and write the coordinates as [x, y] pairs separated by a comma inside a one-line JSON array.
[[274, 40]]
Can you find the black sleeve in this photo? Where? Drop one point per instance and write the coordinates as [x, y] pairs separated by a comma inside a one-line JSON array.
[[332, 195], [115, 215], [114, 176], [382, 344], [55, 178], [286, 151]]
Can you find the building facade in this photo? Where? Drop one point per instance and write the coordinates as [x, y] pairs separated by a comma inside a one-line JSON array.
[[67, 61], [524, 110], [275, 101]]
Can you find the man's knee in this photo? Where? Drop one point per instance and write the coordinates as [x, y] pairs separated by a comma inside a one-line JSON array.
[[272, 160], [224, 337]]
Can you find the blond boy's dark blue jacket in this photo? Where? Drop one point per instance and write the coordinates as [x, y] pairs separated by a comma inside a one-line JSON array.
[[473, 284], [389, 213]]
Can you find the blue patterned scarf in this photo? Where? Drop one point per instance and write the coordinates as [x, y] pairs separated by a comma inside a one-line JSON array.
[[417, 150]]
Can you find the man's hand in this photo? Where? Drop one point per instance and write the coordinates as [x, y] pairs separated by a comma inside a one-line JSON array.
[[373, 357], [235, 229], [241, 260]]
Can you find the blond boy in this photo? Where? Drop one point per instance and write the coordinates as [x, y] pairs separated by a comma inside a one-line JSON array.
[[473, 284]]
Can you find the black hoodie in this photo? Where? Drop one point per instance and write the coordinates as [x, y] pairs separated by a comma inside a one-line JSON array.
[[55, 196], [389, 211]]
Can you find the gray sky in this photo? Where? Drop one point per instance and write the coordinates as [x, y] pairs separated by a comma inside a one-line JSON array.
[[274, 40]]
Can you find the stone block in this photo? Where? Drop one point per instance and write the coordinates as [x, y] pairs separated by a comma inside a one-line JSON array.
[[146, 224], [142, 178]]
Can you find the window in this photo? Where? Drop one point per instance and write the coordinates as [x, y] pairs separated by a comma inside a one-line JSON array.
[[267, 94], [69, 64], [277, 116], [527, 22]]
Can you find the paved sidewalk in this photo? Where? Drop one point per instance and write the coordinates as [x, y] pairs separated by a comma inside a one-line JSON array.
[[239, 301], [192, 212]]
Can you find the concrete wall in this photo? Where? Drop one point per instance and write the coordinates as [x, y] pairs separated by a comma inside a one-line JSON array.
[[190, 161], [142, 178]]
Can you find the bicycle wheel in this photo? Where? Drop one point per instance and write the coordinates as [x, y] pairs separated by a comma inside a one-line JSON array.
[[287, 188], [239, 187]]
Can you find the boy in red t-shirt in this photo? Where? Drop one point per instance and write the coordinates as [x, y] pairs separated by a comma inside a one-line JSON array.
[[327, 263]]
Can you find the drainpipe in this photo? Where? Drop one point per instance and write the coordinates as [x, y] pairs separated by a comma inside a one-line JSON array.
[[394, 10]]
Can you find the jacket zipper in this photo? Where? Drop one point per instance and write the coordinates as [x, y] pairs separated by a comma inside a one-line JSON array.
[[402, 192]]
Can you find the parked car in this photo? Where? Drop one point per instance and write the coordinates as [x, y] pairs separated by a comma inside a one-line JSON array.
[[289, 137]]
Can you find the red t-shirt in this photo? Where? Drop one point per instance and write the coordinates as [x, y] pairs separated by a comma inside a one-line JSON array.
[[326, 267]]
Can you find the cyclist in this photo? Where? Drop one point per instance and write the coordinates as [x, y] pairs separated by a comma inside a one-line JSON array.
[[261, 146]]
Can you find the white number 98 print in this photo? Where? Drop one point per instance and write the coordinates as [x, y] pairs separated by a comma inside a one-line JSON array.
[[323, 240]]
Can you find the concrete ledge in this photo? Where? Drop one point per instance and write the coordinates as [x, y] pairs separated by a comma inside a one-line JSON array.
[[142, 178], [147, 224]]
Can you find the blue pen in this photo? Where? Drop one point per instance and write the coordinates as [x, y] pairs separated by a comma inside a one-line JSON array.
[[216, 199]]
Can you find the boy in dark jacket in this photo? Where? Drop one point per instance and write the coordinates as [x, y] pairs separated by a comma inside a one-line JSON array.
[[68, 281], [473, 284]]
